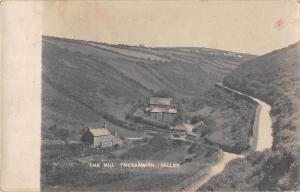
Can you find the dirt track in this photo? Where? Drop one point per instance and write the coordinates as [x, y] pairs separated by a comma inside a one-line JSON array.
[[264, 141], [264, 134]]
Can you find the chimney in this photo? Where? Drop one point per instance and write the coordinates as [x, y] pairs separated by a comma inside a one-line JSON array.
[[116, 134], [105, 126]]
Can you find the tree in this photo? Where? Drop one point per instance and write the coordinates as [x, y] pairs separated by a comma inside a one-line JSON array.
[[196, 119]]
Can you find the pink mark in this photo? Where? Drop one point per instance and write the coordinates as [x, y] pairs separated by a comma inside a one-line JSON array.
[[279, 23]]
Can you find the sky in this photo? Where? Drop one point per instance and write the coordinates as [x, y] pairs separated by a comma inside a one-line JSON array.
[[255, 27]]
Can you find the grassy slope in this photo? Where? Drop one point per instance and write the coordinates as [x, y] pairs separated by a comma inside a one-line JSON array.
[[232, 118], [274, 78], [82, 80], [62, 170]]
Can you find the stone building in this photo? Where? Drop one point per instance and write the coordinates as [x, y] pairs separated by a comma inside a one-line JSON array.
[[101, 137], [161, 108]]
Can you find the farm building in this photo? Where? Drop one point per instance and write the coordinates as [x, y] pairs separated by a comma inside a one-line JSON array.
[[201, 128], [101, 137], [161, 108], [200, 124]]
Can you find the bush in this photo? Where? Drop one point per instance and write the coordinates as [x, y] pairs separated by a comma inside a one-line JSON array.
[[62, 134], [177, 120], [196, 119], [141, 120]]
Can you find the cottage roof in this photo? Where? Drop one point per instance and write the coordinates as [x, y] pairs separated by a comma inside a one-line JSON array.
[[160, 101], [99, 132]]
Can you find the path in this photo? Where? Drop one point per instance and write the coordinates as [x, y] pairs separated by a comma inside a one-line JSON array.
[[264, 140]]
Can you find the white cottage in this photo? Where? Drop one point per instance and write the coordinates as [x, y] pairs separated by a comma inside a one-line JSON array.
[[101, 137]]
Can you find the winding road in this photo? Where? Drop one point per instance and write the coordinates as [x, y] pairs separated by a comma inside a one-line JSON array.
[[263, 138]]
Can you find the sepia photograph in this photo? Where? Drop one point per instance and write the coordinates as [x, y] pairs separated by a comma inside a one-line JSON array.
[[169, 96]]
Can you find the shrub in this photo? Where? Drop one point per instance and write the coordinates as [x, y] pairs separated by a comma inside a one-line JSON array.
[[196, 119], [62, 134]]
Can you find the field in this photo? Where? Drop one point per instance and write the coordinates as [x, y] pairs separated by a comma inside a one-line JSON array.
[[66, 167]]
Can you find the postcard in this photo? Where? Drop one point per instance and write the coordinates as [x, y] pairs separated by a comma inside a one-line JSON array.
[[150, 95]]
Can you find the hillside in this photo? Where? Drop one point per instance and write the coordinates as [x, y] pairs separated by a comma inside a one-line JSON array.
[[274, 78], [85, 82], [231, 118]]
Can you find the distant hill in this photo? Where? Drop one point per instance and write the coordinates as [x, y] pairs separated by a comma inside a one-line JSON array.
[[274, 78], [183, 71], [84, 81]]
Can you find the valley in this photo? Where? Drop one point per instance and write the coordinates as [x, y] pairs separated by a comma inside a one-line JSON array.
[[217, 133]]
